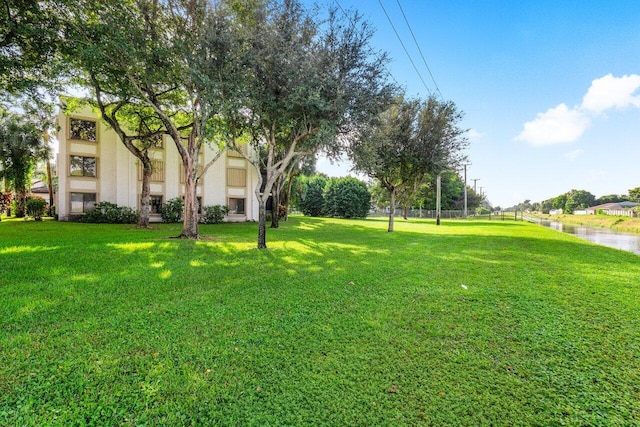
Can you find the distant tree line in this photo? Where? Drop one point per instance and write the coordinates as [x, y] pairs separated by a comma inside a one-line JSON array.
[[574, 200]]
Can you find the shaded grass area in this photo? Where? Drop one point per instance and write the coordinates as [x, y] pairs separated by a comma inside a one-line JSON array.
[[338, 323]]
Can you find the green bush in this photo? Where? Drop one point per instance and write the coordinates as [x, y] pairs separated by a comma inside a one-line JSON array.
[[35, 207], [110, 213], [346, 198], [213, 214], [312, 200], [172, 210]]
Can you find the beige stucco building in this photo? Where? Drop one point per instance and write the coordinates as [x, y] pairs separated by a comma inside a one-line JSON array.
[[94, 166]]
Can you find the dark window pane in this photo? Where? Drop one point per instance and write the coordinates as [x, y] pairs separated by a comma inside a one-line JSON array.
[[156, 204], [76, 166], [84, 130], [236, 206], [89, 201], [90, 166]]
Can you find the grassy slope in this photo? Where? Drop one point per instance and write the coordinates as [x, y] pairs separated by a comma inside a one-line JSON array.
[[339, 323]]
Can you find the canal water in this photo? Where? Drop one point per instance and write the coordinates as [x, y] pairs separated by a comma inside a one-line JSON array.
[[602, 236]]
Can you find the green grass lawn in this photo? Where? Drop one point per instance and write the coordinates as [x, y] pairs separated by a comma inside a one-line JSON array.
[[338, 323]]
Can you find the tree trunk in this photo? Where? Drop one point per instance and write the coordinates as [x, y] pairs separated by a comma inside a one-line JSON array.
[[21, 199], [404, 212], [190, 217], [275, 209], [392, 208], [145, 199], [50, 185], [262, 223], [288, 196]]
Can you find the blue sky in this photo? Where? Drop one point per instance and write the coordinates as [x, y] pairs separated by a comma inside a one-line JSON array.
[[550, 89]]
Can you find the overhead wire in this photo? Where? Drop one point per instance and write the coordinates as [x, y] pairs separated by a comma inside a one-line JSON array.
[[352, 24], [419, 50], [404, 47]]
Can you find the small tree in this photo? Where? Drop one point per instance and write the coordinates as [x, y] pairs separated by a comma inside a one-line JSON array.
[[410, 140], [35, 207], [21, 146]]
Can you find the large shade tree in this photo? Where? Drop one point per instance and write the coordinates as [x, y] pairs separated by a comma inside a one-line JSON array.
[[309, 85], [411, 140], [159, 68]]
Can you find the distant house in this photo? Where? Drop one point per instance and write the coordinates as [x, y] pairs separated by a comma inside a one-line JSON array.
[[555, 212], [619, 209], [94, 166], [41, 189]]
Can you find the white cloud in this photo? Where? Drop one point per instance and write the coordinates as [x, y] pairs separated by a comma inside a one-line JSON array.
[[564, 124], [612, 92], [572, 155], [556, 125]]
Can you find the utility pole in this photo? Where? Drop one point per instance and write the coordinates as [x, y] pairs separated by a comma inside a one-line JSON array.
[[475, 180], [438, 200], [465, 190]]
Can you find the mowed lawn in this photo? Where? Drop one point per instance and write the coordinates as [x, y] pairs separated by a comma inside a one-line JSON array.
[[339, 323]]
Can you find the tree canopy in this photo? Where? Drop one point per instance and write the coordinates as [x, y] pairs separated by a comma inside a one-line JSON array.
[[410, 140], [309, 86], [21, 145]]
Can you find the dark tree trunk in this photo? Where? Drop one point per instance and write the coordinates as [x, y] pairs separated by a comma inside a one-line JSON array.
[[288, 197], [145, 194], [392, 208], [21, 200], [404, 212], [275, 210], [190, 221], [262, 223]]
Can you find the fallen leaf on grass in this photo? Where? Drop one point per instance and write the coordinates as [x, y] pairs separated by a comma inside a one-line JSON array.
[[352, 283], [393, 389], [207, 372]]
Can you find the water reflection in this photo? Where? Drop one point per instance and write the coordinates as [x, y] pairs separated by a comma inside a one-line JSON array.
[[601, 236]]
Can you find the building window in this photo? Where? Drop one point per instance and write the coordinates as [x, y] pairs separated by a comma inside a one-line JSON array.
[[82, 166], [157, 174], [236, 177], [236, 206], [156, 204], [83, 130], [82, 202]]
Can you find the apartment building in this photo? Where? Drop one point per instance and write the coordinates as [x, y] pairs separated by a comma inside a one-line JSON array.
[[94, 166]]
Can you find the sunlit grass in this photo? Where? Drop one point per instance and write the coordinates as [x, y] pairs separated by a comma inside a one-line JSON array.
[[338, 323]]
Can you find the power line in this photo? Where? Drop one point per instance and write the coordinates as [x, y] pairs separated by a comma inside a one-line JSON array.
[[403, 46], [351, 20], [418, 46]]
